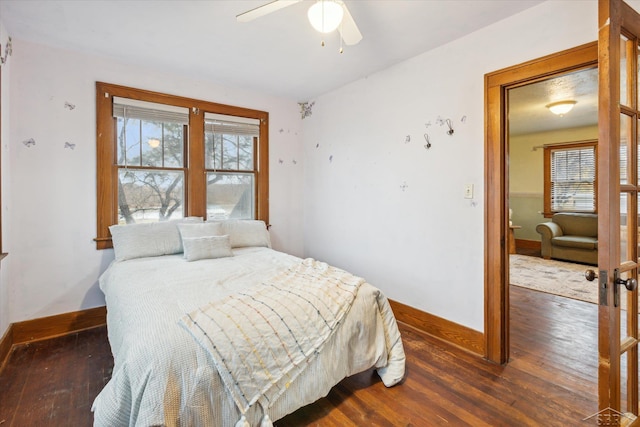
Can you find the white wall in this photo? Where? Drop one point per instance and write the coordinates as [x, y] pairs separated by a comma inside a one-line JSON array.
[[5, 70], [53, 265], [423, 244]]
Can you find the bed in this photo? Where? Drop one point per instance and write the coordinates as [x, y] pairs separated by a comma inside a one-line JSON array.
[[168, 280]]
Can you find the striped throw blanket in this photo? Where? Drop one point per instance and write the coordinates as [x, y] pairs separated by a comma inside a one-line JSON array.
[[261, 339]]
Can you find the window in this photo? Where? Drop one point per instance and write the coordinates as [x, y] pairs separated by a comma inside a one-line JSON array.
[[150, 157], [570, 178], [164, 157], [230, 164]]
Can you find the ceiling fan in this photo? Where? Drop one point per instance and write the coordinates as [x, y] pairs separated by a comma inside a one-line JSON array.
[[324, 15]]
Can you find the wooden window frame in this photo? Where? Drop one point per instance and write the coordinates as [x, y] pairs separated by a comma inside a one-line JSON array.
[[548, 212], [195, 175]]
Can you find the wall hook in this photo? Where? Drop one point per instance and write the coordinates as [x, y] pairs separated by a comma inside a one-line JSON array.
[[450, 131], [428, 144], [8, 50]]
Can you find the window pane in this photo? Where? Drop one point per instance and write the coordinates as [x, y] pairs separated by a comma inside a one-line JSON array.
[[128, 141], [213, 151], [229, 152], [625, 97], [245, 153], [573, 173], [173, 145], [150, 143], [151, 135], [230, 196], [638, 230], [229, 143], [149, 195], [638, 71], [625, 140], [624, 230], [572, 196], [638, 151]]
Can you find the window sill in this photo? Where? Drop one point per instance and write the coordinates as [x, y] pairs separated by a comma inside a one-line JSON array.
[[103, 243]]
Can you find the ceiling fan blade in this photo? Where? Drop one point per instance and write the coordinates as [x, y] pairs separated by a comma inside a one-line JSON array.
[[348, 29], [265, 9]]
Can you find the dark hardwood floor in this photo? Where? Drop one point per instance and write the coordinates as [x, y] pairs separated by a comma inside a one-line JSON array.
[[550, 380], [53, 382]]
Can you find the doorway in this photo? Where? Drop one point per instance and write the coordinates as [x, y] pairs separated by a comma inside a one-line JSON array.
[[552, 183], [497, 85]]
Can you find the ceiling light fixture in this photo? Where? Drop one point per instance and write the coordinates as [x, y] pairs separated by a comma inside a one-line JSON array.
[[561, 108], [325, 15], [153, 142]]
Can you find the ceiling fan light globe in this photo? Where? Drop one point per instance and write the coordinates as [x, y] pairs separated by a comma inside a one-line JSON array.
[[325, 16]]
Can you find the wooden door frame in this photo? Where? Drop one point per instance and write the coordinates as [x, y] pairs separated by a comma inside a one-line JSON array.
[[496, 276]]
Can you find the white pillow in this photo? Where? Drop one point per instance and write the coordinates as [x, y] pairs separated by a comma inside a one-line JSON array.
[[202, 229], [148, 239], [208, 247], [246, 232]]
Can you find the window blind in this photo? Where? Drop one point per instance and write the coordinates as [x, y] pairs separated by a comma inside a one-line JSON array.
[[231, 125], [573, 178], [151, 111]]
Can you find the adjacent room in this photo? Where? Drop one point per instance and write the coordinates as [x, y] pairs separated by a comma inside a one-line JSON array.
[[552, 184], [175, 176]]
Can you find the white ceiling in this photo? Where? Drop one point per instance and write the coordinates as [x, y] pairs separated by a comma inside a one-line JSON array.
[[527, 104], [279, 54]]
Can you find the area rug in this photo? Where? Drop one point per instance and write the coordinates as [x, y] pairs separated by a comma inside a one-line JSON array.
[[554, 277]]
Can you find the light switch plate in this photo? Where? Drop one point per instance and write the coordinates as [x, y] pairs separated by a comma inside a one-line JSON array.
[[468, 191]]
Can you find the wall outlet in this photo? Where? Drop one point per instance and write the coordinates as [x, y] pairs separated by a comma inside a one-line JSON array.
[[468, 191]]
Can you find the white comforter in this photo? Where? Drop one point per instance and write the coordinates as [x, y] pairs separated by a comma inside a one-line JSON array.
[[162, 376]]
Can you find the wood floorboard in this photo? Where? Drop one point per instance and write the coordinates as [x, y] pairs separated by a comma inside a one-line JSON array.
[[492, 396], [11, 388], [551, 379]]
